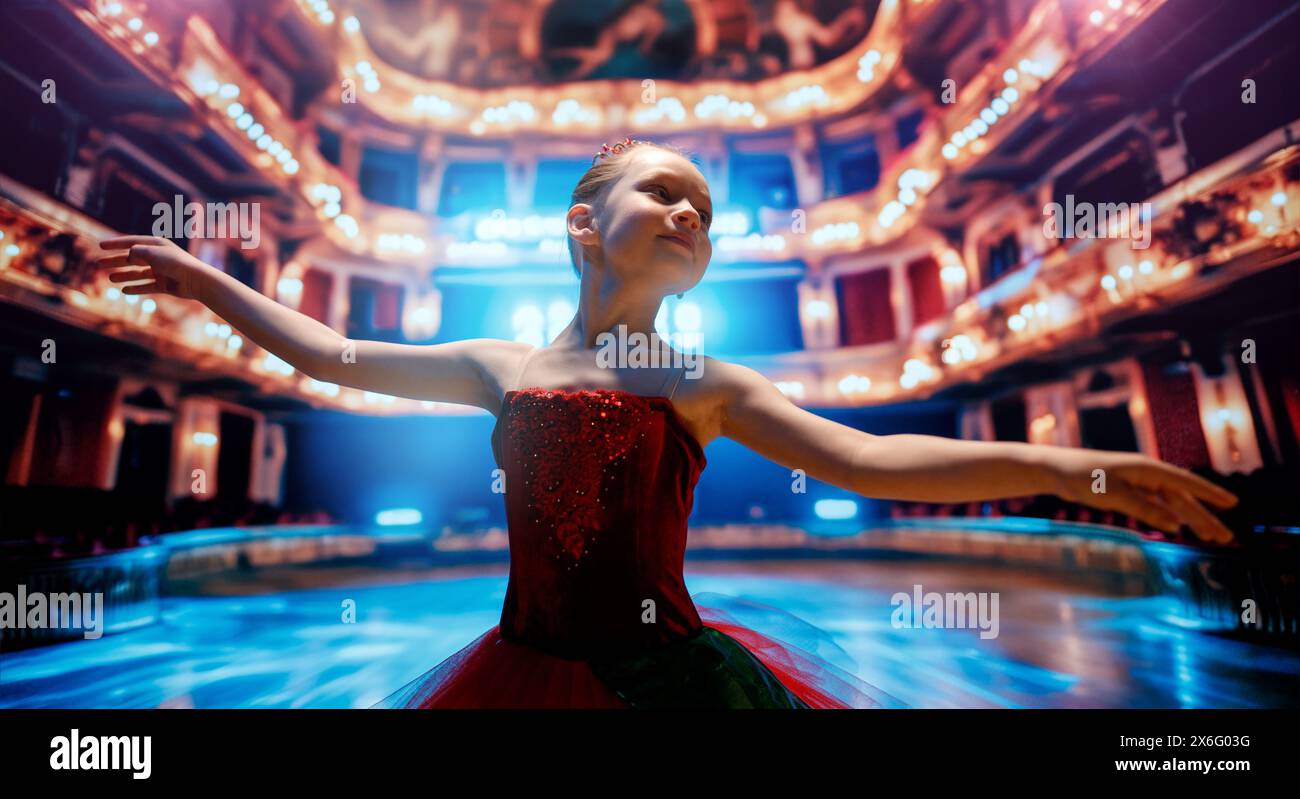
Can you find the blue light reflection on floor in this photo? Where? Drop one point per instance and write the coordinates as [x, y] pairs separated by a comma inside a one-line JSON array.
[[1055, 648]]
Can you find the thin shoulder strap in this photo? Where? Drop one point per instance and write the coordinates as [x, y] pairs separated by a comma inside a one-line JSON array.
[[677, 378], [523, 364]]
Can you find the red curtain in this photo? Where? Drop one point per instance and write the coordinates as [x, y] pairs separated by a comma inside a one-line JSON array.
[[387, 307], [71, 435], [1171, 399], [866, 316], [927, 291], [316, 288]]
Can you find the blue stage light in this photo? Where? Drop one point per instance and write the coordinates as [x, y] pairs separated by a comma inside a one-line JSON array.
[[394, 517], [835, 508]]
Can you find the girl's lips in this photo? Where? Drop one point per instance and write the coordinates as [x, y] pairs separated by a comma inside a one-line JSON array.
[[682, 242]]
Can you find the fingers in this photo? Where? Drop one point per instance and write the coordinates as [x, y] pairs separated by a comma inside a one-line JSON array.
[[127, 275], [1154, 510], [1206, 491], [138, 255], [114, 261], [1146, 506], [127, 242], [143, 288], [1205, 524]]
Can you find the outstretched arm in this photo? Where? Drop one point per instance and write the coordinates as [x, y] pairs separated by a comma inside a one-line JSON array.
[[451, 372], [935, 469]]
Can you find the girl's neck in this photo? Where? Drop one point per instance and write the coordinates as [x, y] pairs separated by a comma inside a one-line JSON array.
[[603, 308]]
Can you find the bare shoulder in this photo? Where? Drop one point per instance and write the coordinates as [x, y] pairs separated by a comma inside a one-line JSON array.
[[497, 360], [730, 383], [713, 388]]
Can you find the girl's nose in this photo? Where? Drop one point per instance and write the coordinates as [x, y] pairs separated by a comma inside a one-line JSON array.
[[690, 217]]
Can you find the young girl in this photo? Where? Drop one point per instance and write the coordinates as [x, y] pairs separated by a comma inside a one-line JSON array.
[[601, 463]]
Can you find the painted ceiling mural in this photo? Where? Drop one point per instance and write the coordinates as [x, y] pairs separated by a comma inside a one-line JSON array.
[[488, 43]]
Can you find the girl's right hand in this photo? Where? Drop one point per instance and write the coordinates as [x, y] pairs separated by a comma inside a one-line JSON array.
[[168, 268]]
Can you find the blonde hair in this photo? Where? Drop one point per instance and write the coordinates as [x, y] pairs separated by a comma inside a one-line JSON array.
[[603, 173]]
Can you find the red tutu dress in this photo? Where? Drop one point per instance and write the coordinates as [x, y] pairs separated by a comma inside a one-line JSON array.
[[599, 485]]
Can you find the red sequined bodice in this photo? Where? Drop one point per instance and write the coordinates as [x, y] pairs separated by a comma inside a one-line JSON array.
[[599, 485]]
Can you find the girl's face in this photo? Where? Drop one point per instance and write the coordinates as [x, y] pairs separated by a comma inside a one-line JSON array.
[[654, 225]]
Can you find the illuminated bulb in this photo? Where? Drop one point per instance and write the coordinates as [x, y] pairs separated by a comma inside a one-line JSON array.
[[1108, 282], [1010, 94], [1146, 267], [1096, 17], [151, 38], [949, 151], [1278, 199], [1016, 322], [351, 24], [135, 24], [1010, 76], [854, 384], [1255, 216], [1126, 272], [234, 110]]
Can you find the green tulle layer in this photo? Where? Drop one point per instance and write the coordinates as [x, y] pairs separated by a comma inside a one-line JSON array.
[[707, 670]]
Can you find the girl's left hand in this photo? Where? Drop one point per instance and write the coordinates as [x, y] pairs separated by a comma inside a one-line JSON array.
[[1155, 492]]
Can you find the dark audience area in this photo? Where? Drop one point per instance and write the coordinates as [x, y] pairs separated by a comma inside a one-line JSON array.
[[52, 522]]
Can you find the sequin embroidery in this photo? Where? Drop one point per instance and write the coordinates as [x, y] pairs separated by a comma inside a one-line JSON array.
[[572, 442]]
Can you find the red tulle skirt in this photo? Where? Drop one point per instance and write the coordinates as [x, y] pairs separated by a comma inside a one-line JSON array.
[[494, 672]]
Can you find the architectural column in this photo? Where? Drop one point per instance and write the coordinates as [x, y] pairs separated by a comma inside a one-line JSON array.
[[805, 160]]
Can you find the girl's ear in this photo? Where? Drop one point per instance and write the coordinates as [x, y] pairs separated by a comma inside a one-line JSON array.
[[581, 221]]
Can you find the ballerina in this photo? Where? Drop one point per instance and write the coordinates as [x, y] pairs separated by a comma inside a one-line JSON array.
[[601, 465]]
